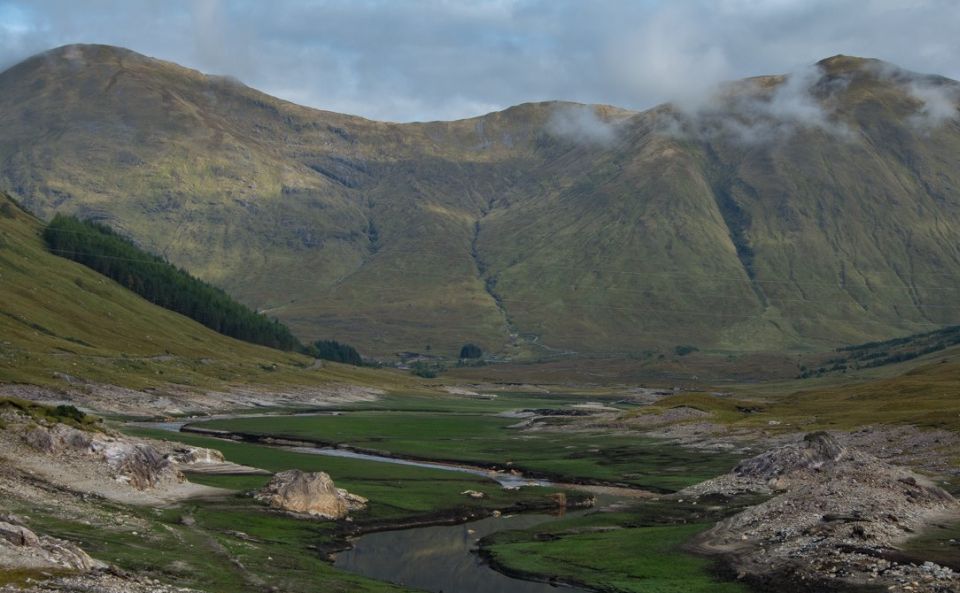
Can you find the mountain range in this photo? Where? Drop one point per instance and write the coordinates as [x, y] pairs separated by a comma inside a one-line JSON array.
[[781, 213]]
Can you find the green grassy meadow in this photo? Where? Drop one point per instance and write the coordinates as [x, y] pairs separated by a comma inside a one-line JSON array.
[[488, 440], [636, 550], [231, 546], [234, 544], [640, 560], [396, 492]]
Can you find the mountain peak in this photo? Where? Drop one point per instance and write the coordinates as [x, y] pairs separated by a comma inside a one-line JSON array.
[[81, 56], [73, 50], [843, 64], [89, 53]]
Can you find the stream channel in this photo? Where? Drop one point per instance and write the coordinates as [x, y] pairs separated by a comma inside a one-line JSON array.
[[439, 559]]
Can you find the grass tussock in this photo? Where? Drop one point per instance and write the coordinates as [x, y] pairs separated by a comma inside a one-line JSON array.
[[44, 414]]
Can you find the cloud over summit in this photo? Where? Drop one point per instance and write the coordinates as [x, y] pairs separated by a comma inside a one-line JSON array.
[[440, 59]]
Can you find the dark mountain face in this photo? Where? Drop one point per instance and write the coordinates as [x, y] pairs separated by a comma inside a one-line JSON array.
[[786, 212]]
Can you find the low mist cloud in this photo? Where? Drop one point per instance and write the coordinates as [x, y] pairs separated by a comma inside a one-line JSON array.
[[774, 108], [938, 104], [763, 110], [936, 98], [581, 124]]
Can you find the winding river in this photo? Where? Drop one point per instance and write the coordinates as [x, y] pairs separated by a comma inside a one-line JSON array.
[[505, 479], [439, 559]]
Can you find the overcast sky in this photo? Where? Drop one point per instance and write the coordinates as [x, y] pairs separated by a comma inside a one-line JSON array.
[[407, 60]]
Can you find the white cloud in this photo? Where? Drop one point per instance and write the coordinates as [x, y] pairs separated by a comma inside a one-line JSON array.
[[430, 59], [671, 55], [763, 110], [937, 103], [581, 124]]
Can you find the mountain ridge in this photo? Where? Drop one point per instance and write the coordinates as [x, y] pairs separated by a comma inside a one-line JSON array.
[[544, 228]]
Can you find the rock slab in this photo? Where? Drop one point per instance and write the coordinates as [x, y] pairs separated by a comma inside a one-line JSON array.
[[309, 493]]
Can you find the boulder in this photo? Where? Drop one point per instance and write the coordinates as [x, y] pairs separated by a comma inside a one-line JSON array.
[[68, 438], [18, 535], [310, 493]]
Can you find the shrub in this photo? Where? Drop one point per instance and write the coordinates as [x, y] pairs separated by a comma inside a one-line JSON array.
[[42, 413], [71, 412], [427, 371], [335, 351], [471, 351], [7, 210]]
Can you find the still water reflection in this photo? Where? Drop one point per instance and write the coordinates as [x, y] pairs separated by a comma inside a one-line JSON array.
[[441, 559]]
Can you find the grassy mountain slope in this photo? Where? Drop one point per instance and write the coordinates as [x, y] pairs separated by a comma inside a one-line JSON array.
[[617, 232], [927, 395], [60, 320]]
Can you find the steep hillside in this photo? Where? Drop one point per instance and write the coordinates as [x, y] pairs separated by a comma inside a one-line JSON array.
[[62, 323], [786, 213]]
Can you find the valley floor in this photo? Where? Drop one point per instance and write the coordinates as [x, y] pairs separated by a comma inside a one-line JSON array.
[[142, 526]]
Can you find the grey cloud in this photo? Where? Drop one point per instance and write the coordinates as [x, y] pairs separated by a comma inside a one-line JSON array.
[[762, 111], [938, 103], [438, 59]]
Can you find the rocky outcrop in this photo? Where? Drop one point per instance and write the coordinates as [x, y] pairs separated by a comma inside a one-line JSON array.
[[309, 493], [140, 465], [17, 535], [195, 455], [836, 515], [200, 460], [174, 401], [58, 438], [20, 547]]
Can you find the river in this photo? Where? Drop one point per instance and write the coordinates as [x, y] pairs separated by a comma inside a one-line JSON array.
[[505, 479], [439, 559], [442, 559]]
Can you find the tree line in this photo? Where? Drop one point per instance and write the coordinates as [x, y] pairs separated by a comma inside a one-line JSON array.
[[99, 247], [335, 351]]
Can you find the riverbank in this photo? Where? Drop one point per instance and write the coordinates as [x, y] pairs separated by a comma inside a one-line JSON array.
[[566, 453], [462, 521], [511, 476]]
